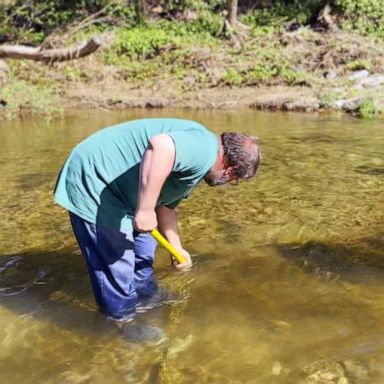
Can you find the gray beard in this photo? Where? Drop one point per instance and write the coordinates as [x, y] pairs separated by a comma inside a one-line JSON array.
[[214, 179]]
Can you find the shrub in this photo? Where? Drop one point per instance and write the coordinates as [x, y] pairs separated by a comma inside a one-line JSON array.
[[262, 73], [232, 77], [31, 21], [328, 100], [140, 42], [148, 41], [367, 16], [367, 109], [19, 95], [300, 11]]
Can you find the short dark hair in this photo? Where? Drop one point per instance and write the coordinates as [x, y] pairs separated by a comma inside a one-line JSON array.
[[241, 152]]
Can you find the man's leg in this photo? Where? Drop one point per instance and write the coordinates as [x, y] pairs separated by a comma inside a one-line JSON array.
[[110, 258], [145, 246]]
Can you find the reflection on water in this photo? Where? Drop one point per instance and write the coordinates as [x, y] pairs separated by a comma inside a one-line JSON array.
[[288, 281]]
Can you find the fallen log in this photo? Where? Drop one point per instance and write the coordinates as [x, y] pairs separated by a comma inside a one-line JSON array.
[[50, 55]]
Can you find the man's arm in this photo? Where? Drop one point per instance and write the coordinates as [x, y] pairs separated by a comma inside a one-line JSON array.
[[167, 219], [156, 165]]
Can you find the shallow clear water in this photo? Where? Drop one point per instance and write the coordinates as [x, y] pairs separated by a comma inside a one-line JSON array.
[[288, 281]]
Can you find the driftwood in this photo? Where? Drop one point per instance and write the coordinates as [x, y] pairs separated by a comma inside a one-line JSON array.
[[50, 55]]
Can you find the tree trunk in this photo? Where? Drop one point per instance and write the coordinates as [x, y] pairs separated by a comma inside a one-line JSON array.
[[232, 12], [49, 55], [140, 9]]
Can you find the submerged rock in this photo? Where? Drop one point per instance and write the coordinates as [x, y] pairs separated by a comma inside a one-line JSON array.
[[276, 369], [179, 345], [357, 371], [324, 372], [142, 333]]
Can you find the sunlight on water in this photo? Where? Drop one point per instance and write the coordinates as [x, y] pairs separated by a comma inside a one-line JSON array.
[[288, 281]]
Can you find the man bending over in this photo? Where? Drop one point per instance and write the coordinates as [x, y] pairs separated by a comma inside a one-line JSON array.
[[125, 180]]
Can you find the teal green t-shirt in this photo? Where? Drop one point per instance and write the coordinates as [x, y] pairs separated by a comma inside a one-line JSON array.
[[100, 179]]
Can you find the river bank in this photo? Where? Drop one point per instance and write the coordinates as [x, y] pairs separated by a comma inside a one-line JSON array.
[[163, 66]]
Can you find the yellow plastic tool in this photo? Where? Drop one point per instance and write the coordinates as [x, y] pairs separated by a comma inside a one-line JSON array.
[[164, 242]]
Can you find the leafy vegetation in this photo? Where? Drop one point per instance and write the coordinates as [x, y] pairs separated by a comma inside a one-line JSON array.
[[328, 99], [187, 44], [33, 20], [20, 96], [368, 109], [232, 77], [146, 42], [366, 16]]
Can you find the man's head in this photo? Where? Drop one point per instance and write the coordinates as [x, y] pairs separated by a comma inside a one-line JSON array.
[[239, 157]]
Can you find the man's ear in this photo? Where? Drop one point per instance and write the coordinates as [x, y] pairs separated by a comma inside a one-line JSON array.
[[229, 171]]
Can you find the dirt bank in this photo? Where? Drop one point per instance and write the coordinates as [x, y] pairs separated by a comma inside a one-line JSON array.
[[279, 97], [303, 70]]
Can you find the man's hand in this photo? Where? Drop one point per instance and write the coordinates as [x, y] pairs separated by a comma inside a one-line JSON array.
[[145, 220], [188, 261]]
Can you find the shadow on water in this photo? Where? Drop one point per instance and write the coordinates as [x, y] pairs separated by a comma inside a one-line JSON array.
[[358, 262], [54, 288], [31, 181], [369, 170], [50, 287]]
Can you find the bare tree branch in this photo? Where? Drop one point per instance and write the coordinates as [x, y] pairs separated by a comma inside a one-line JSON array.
[[50, 55]]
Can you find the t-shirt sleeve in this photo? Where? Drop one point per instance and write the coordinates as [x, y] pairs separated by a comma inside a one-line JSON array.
[[192, 150], [174, 204]]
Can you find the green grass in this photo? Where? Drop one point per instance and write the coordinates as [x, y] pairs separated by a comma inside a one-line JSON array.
[[147, 42], [328, 99], [23, 96], [191, 55], [146, 51], [232, 77]]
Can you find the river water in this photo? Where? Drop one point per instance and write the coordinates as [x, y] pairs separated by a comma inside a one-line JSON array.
[[287, 284]]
